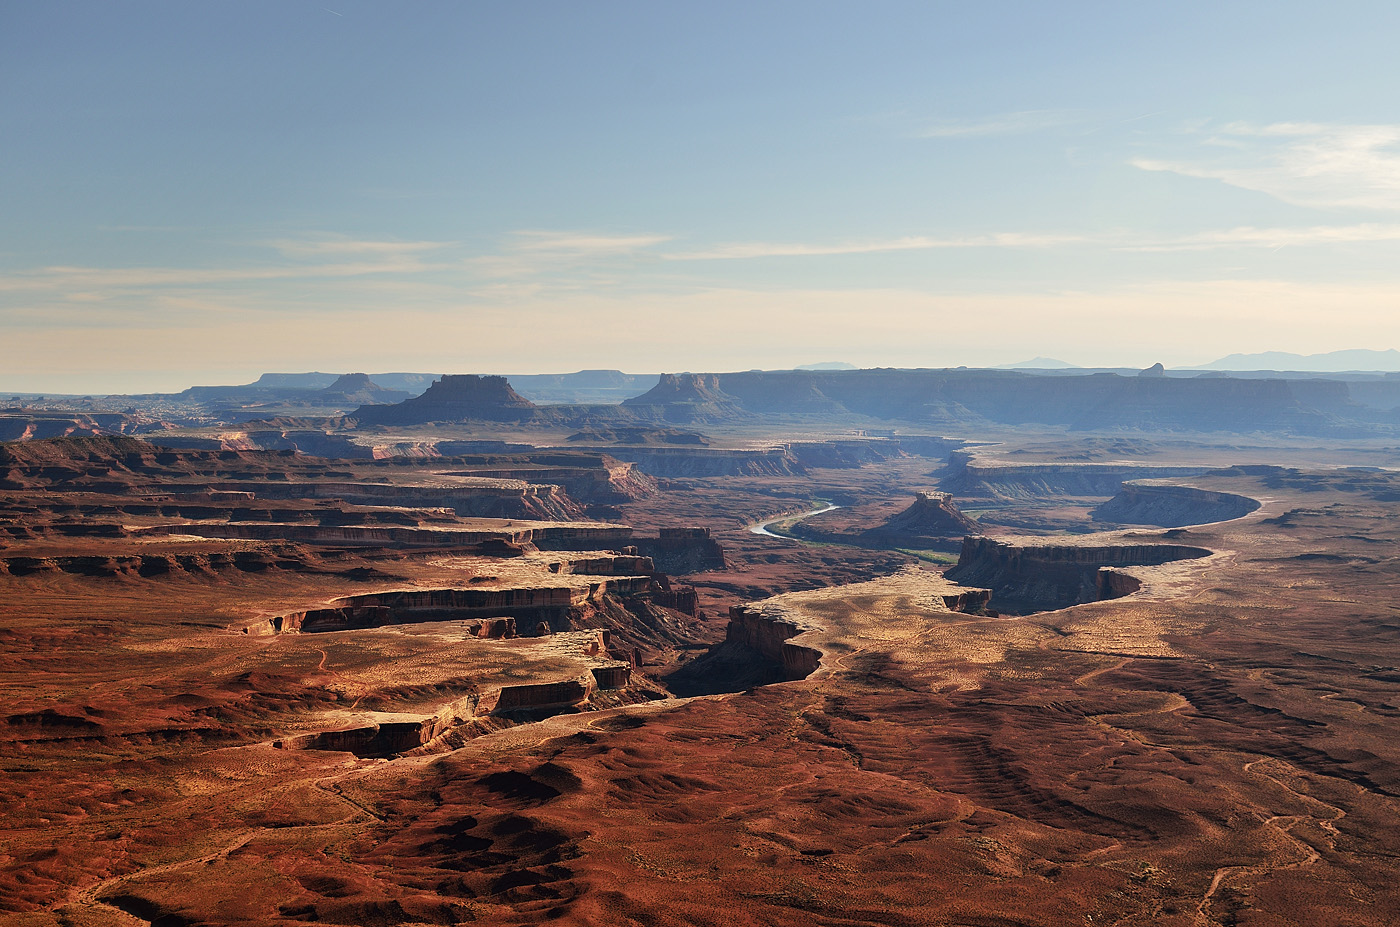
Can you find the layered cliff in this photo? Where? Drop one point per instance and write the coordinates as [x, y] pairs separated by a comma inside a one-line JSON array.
[[1007, 481], [1027, 577], [686, 398], [1101, 401], [768, 631], [683, 550], [35, 425], [698, 462], [479, 496], [530, 604], [594, 478], [1143, 503]]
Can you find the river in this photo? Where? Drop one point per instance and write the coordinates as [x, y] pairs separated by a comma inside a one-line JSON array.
[[762, 527]]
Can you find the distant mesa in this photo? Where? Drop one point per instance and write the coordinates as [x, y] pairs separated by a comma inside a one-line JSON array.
[[687, 397], [359, 388], [1156, 370], [454, 398], [827, 365], [313, 380]]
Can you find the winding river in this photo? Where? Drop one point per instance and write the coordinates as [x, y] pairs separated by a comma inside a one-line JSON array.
[[762, 527]]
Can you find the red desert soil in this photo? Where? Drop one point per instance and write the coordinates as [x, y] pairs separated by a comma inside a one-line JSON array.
[[1218, 747]]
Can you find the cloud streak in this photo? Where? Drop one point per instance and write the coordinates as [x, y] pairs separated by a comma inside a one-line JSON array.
[[538, 240], [1251, 237], [336, 246], [759, 249], [92, 279], [1305, 164]]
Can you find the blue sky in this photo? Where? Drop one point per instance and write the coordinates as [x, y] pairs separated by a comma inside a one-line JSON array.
[[201, 191]]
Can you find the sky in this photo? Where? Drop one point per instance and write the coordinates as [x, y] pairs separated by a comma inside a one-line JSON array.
[[199, 191]]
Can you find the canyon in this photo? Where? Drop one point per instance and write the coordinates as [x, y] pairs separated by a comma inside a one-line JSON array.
[[477, 658]]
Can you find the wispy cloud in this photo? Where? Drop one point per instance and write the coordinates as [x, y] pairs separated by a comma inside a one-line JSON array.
[[761, 249], [532, 252], [144, 277], [1019, 123], [310, 258], [338, 246], [89, 282], [1249, 236], [1306, 164], [536, 240]]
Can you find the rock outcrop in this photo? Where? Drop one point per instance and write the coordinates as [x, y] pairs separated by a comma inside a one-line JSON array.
[[1007, 481], [683, 550], [1042, 577], [454, 398], [475, 496], [532, 696], [377, 740], [769, 633], [358, 389], [1143, 503], [34, 425], [682, 461], [530, 605], [686, 397], [929, 522], [593, 478]]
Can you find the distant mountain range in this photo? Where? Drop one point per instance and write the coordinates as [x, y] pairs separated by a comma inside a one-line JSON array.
[[1354, 359]]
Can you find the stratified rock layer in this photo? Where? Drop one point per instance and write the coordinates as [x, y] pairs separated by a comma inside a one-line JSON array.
[[1029, 577], [1142, 503]]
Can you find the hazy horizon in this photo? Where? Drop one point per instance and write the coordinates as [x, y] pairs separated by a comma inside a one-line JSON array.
[[196, 194]]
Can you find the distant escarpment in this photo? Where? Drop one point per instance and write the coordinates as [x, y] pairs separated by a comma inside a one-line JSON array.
[[593, 478], [1006, 481], [454, 398], [1028, 578], [33, 425], [697, 461], [962, 397], [686, 397], [1100, 401], [479, 497], [1144, 503], [103, 463]]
